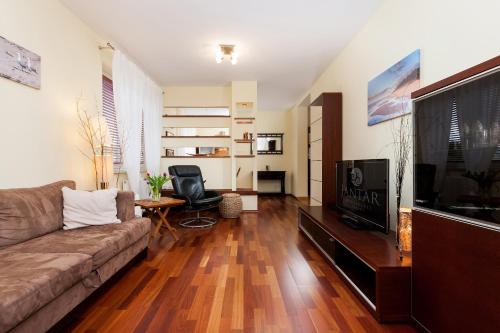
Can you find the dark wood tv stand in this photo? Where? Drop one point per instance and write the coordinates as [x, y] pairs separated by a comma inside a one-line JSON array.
[[366, 260]]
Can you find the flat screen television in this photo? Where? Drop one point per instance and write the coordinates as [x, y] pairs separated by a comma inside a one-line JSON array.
[[457, 152], [362, 192]]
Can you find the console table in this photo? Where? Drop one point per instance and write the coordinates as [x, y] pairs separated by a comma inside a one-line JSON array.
[[366, 260], [273, 175]]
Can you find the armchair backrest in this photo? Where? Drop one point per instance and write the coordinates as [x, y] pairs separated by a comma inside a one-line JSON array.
[[187, 181]]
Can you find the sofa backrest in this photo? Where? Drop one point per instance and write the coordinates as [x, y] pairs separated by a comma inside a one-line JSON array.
[[27, 213]]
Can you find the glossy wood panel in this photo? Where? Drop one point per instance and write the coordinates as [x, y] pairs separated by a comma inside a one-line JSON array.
[[455, 275], [332, 144], [388, 288], [254, 274], [472, 71], [375, 248]]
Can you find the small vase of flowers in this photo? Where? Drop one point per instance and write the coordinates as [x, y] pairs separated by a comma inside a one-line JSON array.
[[156, 184]]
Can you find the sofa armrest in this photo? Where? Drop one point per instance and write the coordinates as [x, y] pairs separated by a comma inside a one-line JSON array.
[[125, 206]]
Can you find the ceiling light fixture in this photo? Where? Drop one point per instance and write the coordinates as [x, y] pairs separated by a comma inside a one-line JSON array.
[[224, 51]]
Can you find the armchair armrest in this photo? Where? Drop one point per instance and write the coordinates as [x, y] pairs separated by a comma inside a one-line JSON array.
[[182, 197], [125, 206]]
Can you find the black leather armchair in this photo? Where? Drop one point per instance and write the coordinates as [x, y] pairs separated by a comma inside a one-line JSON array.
[[189, 185]]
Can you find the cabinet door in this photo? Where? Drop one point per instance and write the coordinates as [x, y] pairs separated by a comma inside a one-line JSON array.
[[316, 192], [317, 130], [317, 150], [319, 235]]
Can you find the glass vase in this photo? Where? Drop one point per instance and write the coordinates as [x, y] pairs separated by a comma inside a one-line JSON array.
[[155, 194]]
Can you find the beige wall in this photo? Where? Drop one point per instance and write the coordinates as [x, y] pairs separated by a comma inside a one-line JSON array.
[[38, 138], [197, 96], [452, 36], [299, 140], [276, 122]]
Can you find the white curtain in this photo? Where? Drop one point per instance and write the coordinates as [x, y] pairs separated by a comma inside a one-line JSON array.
[[128, 90], [153, 105], [137, 98]]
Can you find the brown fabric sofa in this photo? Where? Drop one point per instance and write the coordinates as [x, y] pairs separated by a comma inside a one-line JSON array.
[[46, 271]]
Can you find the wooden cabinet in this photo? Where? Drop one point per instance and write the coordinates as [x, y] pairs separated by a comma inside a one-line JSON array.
[[456, 264], [455, 275], [325, 144], [366, 260]]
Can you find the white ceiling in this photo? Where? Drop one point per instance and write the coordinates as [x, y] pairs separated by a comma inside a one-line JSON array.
[[283, 44]]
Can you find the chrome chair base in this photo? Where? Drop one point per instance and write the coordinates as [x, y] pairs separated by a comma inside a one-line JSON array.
[[198, 222]]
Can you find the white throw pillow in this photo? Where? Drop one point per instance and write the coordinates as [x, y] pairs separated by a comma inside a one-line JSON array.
[[83, 209]]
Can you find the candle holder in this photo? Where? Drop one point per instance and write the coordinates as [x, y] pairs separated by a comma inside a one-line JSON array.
[[405, 229]]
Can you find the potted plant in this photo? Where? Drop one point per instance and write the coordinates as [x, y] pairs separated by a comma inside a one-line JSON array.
[[156, 184]]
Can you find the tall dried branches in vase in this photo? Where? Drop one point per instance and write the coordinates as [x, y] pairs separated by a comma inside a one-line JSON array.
[[402, 146], [92, 129]]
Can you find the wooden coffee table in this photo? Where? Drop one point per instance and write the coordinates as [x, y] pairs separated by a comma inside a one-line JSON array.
[[161, 208]]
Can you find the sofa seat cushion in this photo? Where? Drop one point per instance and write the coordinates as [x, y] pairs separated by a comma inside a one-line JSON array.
[[101, 242], [28, 281]]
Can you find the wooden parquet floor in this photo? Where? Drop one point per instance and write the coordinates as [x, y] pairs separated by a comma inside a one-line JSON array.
[[255, 274]]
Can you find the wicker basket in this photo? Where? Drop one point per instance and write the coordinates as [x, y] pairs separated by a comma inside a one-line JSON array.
[[231, 205]]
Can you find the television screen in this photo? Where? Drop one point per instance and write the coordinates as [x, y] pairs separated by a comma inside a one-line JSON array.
[[457, 152], [362, 191]]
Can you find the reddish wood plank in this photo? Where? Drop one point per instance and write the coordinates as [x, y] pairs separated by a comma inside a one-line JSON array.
[[255, 274]]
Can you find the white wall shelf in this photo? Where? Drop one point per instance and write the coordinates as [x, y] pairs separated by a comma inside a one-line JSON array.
[[196, 136], [190, 116]]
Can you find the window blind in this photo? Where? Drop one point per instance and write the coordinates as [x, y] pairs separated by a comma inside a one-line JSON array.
[[109, 113], [455, 149]]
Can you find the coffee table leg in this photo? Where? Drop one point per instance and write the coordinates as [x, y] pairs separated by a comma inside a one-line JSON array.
[[163, 218], [157, 227]]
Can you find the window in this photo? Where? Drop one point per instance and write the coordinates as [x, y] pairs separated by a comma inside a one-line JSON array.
[[455, 149], [108, 111]]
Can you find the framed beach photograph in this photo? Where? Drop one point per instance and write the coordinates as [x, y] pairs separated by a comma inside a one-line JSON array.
[[389, 93], [18, 64]]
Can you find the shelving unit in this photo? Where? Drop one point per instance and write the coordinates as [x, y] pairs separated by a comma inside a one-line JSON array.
[[185, 131], [192, 116], [244, 111], [243, 141], [220, 172], [325, 144], [215, 156], [196, 136]]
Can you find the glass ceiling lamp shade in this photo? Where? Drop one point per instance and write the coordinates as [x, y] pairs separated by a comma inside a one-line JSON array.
[[226, 51], [219, 56], [234, 58]]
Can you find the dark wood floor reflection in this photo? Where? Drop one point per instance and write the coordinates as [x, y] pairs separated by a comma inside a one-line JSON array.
[[255, 274]]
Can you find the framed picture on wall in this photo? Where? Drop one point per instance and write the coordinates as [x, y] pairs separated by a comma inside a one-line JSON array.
[[270, 143], [18, 64], [389, 93]]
